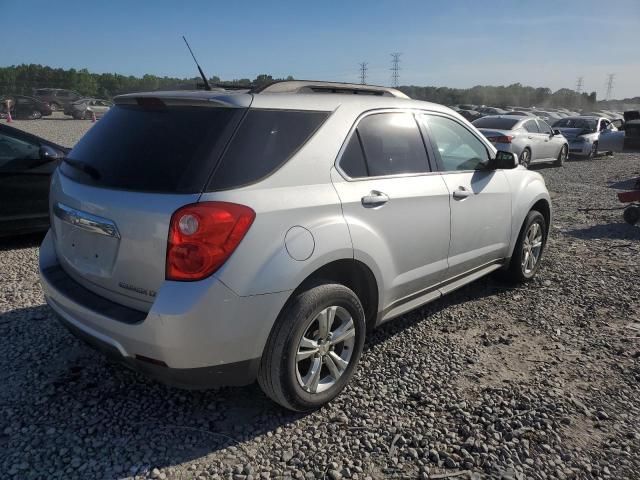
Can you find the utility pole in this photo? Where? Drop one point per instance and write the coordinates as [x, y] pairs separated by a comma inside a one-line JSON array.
[[610, 79], [395, 68], [363, 72], [579, 85]]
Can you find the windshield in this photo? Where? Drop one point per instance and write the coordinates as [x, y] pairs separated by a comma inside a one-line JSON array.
[[497, 123], [582, 123]]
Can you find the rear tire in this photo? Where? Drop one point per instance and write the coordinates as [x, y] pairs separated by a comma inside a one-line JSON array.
[[525, 158], [562, 156], [527, 253], [297, 347], [54, 107], [35, 115], [631, 214]]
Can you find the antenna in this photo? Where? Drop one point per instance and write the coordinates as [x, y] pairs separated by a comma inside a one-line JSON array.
[[395, 68], [610, 79], [579, 85], [204, 77], [363, 72]]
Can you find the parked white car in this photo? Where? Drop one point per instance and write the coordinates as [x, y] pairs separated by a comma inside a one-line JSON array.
[[589, 136]]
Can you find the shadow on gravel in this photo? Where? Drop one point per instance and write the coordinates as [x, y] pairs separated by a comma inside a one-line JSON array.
[[71, 406], [485, 287], [628, 184], [21, 241], [618, 231]]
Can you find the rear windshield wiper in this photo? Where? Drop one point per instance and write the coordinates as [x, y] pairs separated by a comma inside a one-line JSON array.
[[83, 167]]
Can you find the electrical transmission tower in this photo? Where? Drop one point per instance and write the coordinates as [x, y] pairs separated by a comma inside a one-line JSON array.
[[363, 72], [395, 68], [579, 85], [610, 79]]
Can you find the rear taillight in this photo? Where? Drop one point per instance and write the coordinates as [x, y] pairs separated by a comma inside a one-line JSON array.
[[202, 236], [501, 139]]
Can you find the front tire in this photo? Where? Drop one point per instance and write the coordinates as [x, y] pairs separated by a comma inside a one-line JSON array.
[[314, 347], [594, 151], [527, 253]]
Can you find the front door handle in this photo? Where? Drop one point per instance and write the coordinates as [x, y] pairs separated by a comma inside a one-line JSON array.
[[461, 193], [374, 199]]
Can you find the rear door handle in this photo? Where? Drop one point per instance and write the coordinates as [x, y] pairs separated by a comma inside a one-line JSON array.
[[374, 199], [461, 193]]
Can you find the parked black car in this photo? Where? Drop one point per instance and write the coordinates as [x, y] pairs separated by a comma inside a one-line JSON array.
[[632, 129], [57, 98], [24, 108], [26, 164]]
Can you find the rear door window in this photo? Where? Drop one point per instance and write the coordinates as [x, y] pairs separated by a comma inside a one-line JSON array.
[[391, 145], [264, 142], [531, 126], [165, 149]]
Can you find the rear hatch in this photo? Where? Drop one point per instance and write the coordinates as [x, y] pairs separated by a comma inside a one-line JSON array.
[[113, 197]]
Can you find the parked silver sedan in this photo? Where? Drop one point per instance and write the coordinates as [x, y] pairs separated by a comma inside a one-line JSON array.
[[84, 108], [590, 135], [531, 139]]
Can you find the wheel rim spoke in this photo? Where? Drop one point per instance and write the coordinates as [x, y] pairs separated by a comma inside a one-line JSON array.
[[344, 332], [312, 379], [325, 320], [336, 373], [306, 349], [340, 363]]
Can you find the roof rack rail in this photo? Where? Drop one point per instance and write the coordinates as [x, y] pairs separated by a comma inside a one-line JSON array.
[[312, 86]]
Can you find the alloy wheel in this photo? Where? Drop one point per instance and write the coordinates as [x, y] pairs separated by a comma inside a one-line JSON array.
[[531, 248], [325, 349], [525, 158]]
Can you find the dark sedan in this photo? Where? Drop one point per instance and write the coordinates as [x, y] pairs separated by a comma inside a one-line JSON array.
[[26, 164], [24, 108]]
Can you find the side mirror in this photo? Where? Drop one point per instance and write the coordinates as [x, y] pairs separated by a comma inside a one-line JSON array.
[[503, 161], [48, 153], [557, 132]]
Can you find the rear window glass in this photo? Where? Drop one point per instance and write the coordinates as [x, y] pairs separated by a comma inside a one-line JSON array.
[[170, 150], [497, 123], [265, 140]]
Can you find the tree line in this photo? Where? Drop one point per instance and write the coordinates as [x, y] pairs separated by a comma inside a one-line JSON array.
[[23, 79]]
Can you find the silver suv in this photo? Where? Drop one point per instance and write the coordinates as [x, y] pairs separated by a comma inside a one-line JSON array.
[[215, 238]]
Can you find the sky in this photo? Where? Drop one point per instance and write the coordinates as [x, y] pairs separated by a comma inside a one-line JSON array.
[[454, 43]]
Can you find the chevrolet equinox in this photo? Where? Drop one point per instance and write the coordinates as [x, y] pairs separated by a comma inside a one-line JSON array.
[[213, 238]]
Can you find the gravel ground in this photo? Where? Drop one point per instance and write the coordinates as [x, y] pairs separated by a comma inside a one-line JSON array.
[[539, 381], [58, 128]]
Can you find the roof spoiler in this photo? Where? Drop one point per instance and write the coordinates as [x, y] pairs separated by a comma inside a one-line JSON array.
[[209, 98], [312, 86]]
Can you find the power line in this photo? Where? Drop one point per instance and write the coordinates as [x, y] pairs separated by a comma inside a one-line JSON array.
[[363, 72], [610, 79], [579, 85], [395, 68]]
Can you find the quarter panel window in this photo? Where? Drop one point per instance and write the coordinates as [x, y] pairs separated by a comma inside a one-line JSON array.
[[352, 161], [392, 144], [459, 149]]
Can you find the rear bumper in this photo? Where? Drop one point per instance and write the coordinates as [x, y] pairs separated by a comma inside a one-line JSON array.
[[196, 334]]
